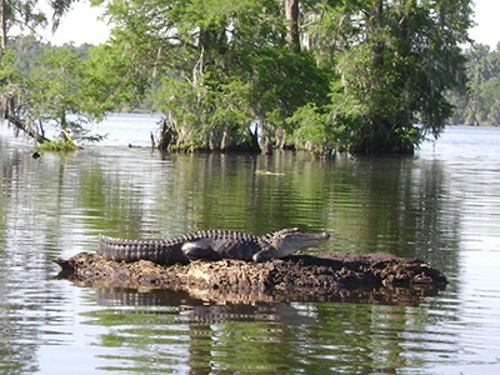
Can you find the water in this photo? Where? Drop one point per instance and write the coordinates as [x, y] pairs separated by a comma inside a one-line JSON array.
[[441, 206]]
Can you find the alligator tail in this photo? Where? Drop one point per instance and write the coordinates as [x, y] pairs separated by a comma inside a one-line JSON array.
[[157, 251]]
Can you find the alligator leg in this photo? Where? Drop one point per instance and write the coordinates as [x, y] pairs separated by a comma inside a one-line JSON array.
[[265, 255], [200, 250]]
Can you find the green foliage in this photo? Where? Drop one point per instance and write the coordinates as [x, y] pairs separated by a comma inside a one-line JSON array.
[[366, 72], [57, 87], [115, 81], [58, 145], [316, 133], [62, 92], [480, 105], [9, 74], [15, 101], [399, 74]]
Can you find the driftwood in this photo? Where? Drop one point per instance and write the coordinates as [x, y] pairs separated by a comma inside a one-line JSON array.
[[373, 278]]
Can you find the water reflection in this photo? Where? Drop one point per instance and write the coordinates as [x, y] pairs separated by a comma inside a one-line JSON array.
[[119, 296], [442, 207], [189, 309], [199, 336]]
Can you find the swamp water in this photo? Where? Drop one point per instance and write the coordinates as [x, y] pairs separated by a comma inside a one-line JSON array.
[[442, 206]]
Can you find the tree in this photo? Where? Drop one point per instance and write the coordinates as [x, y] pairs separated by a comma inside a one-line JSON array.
[[216, 67], [61, 91], [480, 104], [292, 19], [22, 14], [396, 61], [357, 74]]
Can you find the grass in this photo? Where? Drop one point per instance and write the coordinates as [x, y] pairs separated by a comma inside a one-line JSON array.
[[63, 145]]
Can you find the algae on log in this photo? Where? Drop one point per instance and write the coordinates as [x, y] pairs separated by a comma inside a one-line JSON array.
[[376, 278]]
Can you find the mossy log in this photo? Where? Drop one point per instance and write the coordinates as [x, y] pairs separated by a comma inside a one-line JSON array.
[[297, 277]]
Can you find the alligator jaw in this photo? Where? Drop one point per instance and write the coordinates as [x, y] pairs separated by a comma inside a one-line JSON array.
[[288, 241], [310, 239]]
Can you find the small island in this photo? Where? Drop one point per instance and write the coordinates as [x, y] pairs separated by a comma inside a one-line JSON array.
[[374, 278]]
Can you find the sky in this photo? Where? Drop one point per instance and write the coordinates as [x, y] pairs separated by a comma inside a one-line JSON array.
[[81, 25], [487, 30]]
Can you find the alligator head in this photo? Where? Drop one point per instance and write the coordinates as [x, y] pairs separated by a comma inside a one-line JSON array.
[[289, 240]]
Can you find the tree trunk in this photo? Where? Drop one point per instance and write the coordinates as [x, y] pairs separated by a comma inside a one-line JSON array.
[[20, 124], [8, 113], [292, 18], [167, 135], [3, 30]]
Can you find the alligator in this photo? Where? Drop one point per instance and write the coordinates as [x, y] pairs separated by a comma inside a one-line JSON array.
[[210, 245]]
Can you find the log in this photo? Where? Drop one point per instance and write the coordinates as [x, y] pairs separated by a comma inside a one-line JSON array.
[[297, 277]]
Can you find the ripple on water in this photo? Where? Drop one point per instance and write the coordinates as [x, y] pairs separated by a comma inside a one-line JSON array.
[[442, 207]]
